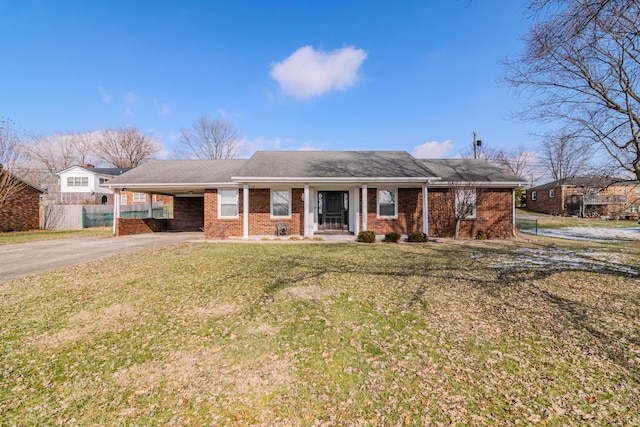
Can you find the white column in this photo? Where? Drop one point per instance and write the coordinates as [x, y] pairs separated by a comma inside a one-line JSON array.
[[306, 217], [150, 205], [513, 202], [425, 210], [116, 208], [364, 208], [356, 209], [245, 211]]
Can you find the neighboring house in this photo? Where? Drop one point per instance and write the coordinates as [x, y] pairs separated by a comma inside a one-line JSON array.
[[85, 184], [309, 193], [21, 209], [587, 196]]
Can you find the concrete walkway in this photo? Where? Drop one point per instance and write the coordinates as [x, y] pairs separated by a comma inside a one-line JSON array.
[[23, 259]]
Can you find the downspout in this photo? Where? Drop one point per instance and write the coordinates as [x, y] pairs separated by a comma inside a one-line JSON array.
[[245, 211]]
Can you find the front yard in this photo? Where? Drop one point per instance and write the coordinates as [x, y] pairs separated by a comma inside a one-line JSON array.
[[470, 333]]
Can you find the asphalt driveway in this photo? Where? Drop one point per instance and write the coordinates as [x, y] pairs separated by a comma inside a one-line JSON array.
[[23, 259]]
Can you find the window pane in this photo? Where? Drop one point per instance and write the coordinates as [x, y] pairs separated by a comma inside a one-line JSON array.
[[85, 181], [228, 202], [280, 203], [386, 203], [69, 182]]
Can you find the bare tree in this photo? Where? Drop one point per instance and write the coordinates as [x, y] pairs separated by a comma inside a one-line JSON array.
[[581, 68], [465, 199], [209, 139], [11, 157], [126, 147], [61, 151], [564, 155]]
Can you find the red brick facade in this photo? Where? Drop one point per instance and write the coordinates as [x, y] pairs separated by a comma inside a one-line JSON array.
[[130, 226], [494, 214], [21, 211]]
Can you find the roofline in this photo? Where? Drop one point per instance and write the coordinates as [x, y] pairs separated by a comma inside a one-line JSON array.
[[364, 180], [480, 183], [169, 185]]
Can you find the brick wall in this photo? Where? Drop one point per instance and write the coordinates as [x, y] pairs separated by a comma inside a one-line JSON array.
[[130, 226], [494, 214], [545, 204], [260, 221], [409, 212], [21, 212], [188, 214]]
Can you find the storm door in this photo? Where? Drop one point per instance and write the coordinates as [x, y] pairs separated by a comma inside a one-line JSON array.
[[333, 210]]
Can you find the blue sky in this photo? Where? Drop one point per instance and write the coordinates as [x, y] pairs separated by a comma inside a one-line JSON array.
[[419, 76]]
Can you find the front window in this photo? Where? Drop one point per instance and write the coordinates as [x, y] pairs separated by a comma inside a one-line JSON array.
[[466, 203], [552, 193], [534, 195], [387, 203], [228, 203], [281, 203], [123, 199], [77, 181], [139, 197]]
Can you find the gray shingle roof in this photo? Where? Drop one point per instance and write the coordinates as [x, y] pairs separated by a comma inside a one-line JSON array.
[[288, 165], [332, 164], [180, 172], [468, 170], [584, 181]]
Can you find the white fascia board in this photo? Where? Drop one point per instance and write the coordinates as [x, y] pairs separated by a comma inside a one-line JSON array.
[[363, 180], [480, 184], [173, 185]]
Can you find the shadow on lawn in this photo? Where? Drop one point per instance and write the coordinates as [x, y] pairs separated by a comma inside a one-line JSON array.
[[453, 265]]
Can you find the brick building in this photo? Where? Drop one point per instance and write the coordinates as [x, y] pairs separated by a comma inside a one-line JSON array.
[[311, 193], [20, 211], [587, 197]]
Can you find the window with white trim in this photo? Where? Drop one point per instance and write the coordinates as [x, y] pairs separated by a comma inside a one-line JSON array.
[[534, 195], [466, 199], [280, 203], [123, 199], [139, 197], [387, 203], [552, 193], [77, 181], [228, 203]]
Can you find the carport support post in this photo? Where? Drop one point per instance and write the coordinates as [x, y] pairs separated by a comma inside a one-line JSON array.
[[116, 210], [425, 210], [364, 208], [245, 211], [150, 206]]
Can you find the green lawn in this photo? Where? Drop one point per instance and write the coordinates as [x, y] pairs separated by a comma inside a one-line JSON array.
[[35, 235], [461, 333]]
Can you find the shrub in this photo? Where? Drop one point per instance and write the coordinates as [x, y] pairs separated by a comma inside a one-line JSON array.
[[417, 236], [392, 237], [366, 237]]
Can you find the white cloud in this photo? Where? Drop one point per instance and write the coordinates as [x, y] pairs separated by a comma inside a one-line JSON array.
[[104, 95], [162, 109], [432, 149], [128, 111], [307, 147], [250, 146], [130, 97], [308, 73]]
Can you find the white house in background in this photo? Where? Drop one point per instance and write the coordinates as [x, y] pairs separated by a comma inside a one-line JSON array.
[[83, 184]]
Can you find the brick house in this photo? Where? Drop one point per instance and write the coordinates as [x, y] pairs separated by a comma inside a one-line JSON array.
[[313, 193], [21, 209], [587, 197]]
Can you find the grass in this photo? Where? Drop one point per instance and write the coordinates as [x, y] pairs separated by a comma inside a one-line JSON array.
[[472, 333], [555, 222], [36, 235]]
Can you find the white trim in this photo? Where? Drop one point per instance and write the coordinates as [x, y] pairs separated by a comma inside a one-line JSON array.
[[485, 184], [341, 179], [271, 192], [394, 191], [245, 211], [220, 216]]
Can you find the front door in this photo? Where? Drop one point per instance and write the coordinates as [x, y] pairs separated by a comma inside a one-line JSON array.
[[333, 210]]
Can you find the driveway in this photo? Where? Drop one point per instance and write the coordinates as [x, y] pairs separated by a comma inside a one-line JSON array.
[[23, 259]]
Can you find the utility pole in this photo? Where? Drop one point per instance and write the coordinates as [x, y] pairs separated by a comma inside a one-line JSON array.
[[476, 143]]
